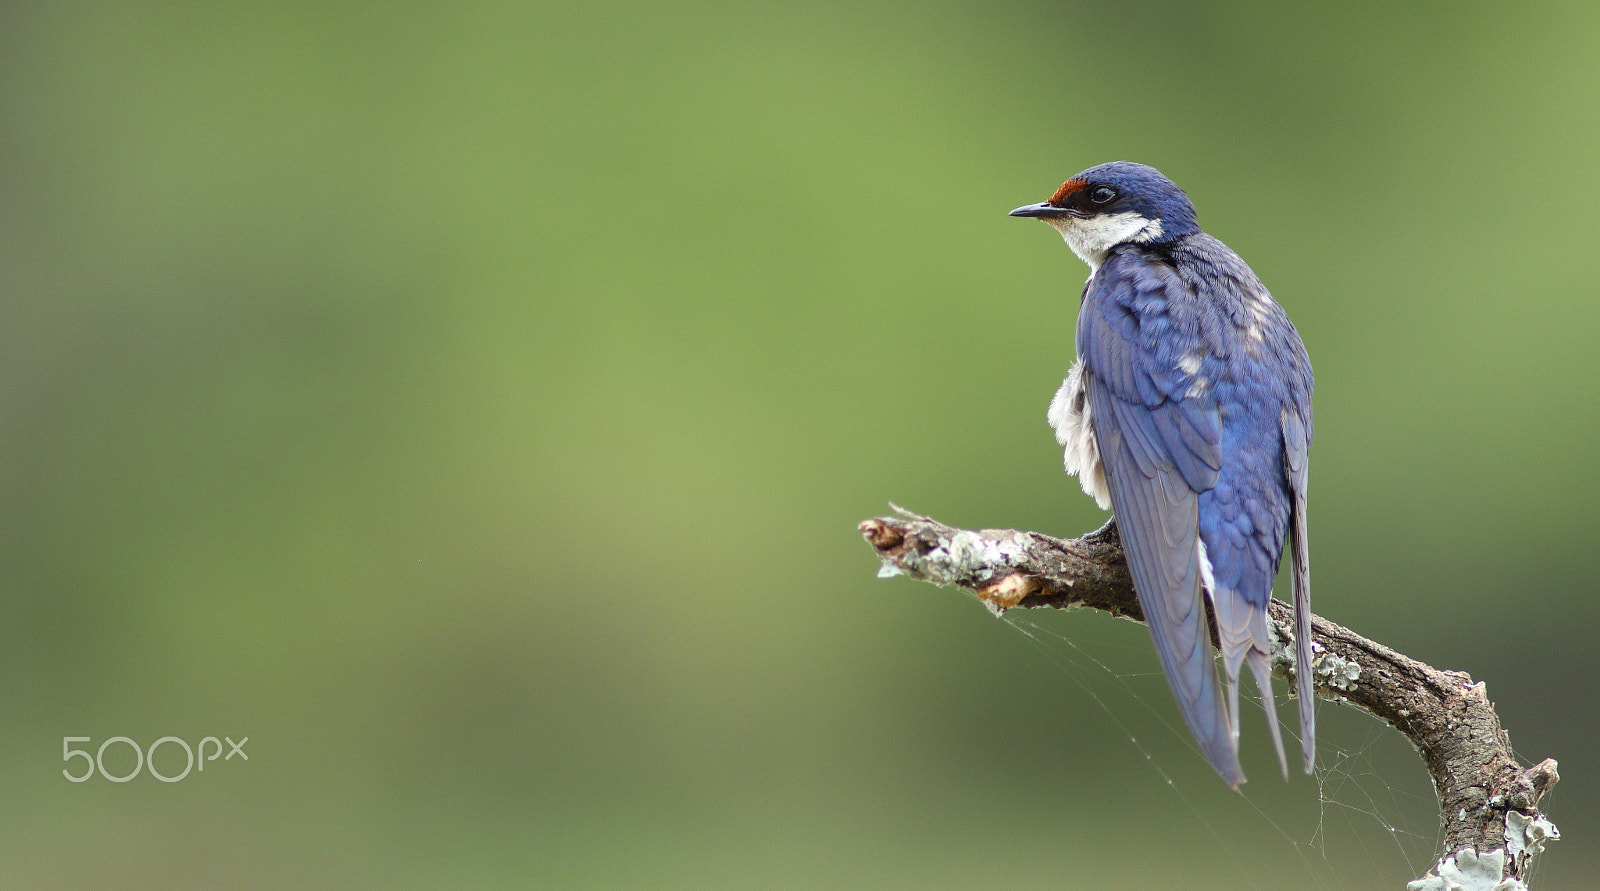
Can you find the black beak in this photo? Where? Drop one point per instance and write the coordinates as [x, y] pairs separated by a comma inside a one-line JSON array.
[[1042, 209]]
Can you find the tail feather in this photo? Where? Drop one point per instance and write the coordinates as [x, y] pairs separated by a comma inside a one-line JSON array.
[[1297, 439], [1302, 655], [1262, 669], [1242, 631]]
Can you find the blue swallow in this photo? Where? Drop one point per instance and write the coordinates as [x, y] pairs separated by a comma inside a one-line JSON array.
[[1188, 413]]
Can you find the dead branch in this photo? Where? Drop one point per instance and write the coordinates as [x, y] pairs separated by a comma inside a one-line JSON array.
[[1488, 803]]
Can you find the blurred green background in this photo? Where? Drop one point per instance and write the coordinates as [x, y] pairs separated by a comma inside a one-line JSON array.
[[472, 405]]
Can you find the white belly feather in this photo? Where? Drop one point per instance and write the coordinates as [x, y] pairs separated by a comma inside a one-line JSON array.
[[1069, 415]]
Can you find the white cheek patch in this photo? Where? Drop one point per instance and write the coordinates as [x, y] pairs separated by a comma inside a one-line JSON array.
[[1090, 239], [1070, 416]]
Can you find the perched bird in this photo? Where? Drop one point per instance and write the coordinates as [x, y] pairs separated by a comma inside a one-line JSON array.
[[1188, 413]]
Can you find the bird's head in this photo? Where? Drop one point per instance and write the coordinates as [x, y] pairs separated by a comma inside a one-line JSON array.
[[1116, 203]]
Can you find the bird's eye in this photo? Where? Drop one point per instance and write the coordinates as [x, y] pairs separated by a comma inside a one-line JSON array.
[[1102, 195]]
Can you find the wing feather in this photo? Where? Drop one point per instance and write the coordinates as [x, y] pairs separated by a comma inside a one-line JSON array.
[[1157, 514], [1297, 445]]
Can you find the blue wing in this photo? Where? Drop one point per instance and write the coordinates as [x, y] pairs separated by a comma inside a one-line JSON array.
[[1160, 450]]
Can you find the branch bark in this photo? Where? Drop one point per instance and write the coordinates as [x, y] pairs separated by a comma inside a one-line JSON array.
[[1488, 803]]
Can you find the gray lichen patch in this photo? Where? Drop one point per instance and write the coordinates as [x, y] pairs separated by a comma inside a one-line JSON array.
[[964, 557], [1335, 672], [1330, 672], [1467, 870], [972, 554], [949, 556], [1526, 835]]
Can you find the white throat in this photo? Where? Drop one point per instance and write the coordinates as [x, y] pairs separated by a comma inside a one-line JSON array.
[[1092, 238]]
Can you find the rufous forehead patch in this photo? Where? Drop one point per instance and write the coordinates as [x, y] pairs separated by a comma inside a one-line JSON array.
[[1067, 188]]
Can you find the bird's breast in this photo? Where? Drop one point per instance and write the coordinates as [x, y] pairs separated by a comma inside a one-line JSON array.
[[1074, 426]]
